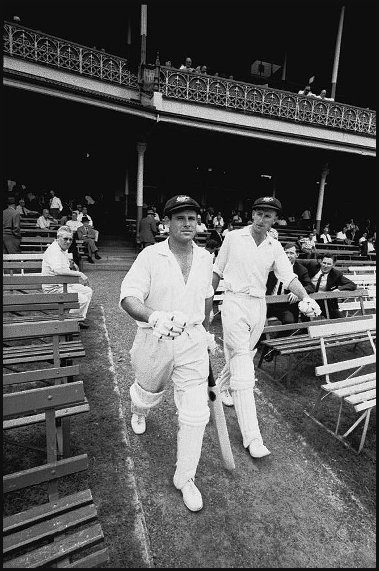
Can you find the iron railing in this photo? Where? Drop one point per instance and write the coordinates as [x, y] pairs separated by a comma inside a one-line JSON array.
[[42, 48], [248, 98]]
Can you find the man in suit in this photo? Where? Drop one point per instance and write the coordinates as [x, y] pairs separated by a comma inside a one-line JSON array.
[[288, 312], [325, 277], [88, 235], [11, 228], [148, 229]]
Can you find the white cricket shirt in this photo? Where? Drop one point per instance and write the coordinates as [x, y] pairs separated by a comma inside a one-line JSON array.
[[156, 279], [245, 266]]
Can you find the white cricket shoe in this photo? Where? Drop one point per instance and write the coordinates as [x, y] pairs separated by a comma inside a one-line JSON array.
[[227, 398], [138, 423], [257, 449], [192, 496]]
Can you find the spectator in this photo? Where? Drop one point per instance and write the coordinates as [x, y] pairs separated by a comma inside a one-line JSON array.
[[200, 226], [370, 245], [308, 244], [281, 221], [288, 312], [352, 231], [212, 247], [236, 217], [188, 65], [45, 220], [306, 219], [363, 244], [168, 63], [147, 229], [204, 70], [88, 235], [11, 228], [84, 212], [218, 220], [227, 230], [341, 237], [79, 208], [65, 213], [55, 205], [55, 261], [156, 215], [273, 233], [209, 217], [163, 227], [325, 236], [325, 277], [23, 211], [74, 223], [306, 91], [32, 202], [323, 96], [89, 200], [216, 235]]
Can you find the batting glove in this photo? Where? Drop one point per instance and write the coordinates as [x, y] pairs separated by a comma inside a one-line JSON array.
[[165, 325], [309, 307]]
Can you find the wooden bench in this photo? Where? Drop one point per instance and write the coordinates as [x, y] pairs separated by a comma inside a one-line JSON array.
[[59, 343], [357, 392], [364, 269], [57, 532], [362, 280], [31, 282], [51, 376], [35, 243], [34, 231], [28, 307], [294, 342]]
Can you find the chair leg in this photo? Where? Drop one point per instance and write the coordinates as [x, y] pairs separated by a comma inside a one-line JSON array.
[[367, 420]]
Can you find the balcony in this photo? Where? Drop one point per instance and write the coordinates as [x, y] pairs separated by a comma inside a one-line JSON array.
[[210, 91]]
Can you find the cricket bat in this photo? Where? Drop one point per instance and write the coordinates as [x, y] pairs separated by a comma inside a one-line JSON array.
[[218, 417]]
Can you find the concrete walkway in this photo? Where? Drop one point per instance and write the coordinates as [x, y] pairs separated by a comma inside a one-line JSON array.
[[309, 504]]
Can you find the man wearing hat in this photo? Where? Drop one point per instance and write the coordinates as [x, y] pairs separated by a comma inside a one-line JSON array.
[[244, 261], [148, 229], [11, 228], [168, 291]]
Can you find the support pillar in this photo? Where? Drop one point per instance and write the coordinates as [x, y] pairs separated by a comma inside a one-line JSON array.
[[141, 148], [126, 192], [324, 174], [337, 54]]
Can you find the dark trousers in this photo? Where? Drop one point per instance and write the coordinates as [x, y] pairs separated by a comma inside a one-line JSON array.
[[11, 244]]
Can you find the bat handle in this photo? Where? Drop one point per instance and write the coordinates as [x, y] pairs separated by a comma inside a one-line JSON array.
[[211, 379]]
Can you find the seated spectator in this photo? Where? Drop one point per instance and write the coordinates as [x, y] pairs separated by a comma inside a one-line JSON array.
[[273, 233], [352, 231], [341, 237], [32, 203], [65, 213], [216, 235], [188, 65], [212, 246], [55, 262], [200, 226], [89, 200], [363, 244], [163, 227], [79, 208], [288, 312], [281, 221], [218, 220], [168, 63], [83, 213], [45, 220], [236, 217], [308, 244], [306, 216], [370, 245], [11, 228], [306, 91], [325, 277], [74, 223], [227, 230], [209, 217], [55, 205], [325, 236], [23, 211], [88, 235], [323, 96]]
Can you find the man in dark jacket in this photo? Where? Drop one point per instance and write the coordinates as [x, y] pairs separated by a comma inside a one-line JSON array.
[[325, 277], [148, 229], [288, 312]]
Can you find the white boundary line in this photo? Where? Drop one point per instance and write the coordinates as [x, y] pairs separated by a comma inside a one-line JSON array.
[[140, 527]]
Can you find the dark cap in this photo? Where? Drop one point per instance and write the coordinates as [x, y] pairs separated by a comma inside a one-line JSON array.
[[180, 202], [150, 211], [85, 219], [267, 202]]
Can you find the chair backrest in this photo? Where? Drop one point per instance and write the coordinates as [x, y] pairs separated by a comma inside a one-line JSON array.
[[20, 281], [355, 326], [51, 374], [340, 366]]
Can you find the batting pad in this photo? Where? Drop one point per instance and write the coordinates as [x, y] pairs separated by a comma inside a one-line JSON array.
[[143, 401]]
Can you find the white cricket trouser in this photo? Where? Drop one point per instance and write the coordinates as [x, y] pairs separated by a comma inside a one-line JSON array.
[[185, 361], [84, 296], [243, 318]]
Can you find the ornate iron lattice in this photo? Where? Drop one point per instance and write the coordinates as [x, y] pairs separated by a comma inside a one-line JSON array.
[[248, 98], [54, 52]]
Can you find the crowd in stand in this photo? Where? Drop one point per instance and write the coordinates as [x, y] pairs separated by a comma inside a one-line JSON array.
[[51, 211]]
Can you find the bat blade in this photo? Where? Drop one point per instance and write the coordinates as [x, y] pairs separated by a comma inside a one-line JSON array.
[[218, 417]]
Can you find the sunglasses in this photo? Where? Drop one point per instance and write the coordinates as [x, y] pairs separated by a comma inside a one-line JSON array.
[[67, 239]]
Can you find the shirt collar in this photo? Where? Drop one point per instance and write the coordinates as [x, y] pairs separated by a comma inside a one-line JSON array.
[[245, 231], [164, 250]]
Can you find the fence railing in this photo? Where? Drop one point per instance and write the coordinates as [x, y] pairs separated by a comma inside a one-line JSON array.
[[248, 98], [44, 49]]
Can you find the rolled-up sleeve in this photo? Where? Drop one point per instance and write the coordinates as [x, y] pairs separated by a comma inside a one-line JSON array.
[[136, 283], [222, 257], [283, 268]]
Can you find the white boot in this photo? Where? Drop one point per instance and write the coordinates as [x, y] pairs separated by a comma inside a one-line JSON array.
[[227, 398], [257, 449], [138, 423], [191, 496]]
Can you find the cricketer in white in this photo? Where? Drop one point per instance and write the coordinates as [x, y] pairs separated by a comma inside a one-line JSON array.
[[168, 291], [244, 261]]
